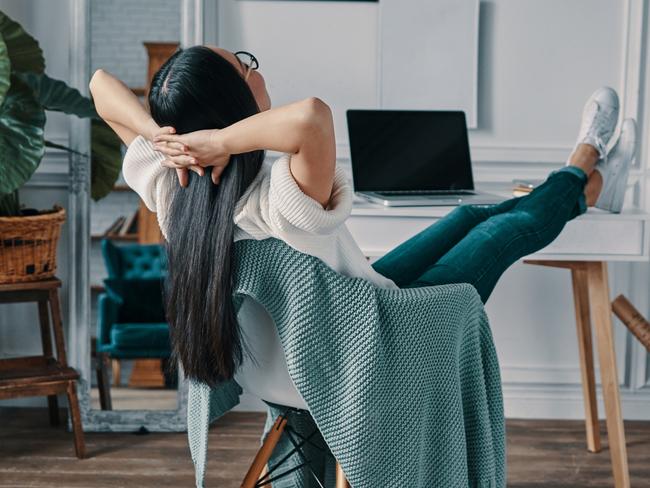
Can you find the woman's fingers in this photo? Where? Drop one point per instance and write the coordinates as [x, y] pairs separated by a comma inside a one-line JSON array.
[[168, 151], [198, 170], [216, 174], [164, 131], [183, 177], [167, 137], [183, 160], [170, 145]]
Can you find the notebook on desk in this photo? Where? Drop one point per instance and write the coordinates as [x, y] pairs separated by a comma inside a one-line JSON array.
[[412, 158]]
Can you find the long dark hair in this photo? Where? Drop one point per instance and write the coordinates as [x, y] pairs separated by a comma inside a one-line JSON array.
[[199, 89]]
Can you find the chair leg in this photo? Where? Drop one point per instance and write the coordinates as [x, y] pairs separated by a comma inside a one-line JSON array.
[[585, 349], [341, 481], [53, 407], [103, 385], [265, 452], [75, 414], [117, 371], [46, 340]]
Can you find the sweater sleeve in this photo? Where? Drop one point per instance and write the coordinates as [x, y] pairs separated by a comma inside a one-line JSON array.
[[276, 206], [142, 169]]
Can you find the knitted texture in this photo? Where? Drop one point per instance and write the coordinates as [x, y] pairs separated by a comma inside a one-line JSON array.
[[403, 385]]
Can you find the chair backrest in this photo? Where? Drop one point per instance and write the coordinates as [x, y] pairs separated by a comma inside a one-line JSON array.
[[134, 260]]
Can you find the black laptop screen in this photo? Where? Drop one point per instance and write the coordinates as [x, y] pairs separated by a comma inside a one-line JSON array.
[[395, 150]]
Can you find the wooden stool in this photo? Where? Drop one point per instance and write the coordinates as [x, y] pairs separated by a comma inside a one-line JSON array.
[[592, 302], [42, 375]]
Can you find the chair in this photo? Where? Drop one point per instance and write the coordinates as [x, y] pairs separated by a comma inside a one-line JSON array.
[[359, 355], [131, 322], [261, 474]]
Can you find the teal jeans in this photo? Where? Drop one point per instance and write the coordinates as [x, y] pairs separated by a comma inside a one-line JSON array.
[[477, 243]]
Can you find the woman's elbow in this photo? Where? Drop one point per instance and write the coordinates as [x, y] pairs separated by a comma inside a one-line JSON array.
[[315, 115], [95, 87], [95, 79]]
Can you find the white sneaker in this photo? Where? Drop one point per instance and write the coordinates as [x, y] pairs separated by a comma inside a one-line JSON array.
[[599, 119], [615, 169]]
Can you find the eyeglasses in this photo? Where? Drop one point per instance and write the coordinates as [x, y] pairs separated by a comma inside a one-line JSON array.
[[248, 60]]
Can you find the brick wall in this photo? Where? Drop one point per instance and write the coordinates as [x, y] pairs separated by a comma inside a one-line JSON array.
[[118, 28]]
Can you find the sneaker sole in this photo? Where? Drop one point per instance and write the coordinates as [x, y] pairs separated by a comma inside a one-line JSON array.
[[618, 195]]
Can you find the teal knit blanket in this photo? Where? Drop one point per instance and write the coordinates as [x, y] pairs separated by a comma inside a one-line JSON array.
[[403, 385]]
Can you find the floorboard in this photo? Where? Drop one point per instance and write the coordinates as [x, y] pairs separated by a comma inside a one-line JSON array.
[[541, 453]]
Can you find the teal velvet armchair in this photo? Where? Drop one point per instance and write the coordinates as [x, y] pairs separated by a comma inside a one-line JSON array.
[[131, 322]]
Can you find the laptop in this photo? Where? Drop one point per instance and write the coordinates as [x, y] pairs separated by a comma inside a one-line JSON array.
[[412, 158]]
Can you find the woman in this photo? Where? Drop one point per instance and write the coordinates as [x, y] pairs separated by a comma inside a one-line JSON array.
[[211, 121]]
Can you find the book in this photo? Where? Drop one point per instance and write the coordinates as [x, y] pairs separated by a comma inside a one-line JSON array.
[[128, 224], [115, 226], [523, 187]]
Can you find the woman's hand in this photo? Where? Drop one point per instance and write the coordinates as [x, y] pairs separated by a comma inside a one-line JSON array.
[[193, 151]]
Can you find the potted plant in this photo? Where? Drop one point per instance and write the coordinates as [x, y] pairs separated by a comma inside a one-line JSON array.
[[28, 237]]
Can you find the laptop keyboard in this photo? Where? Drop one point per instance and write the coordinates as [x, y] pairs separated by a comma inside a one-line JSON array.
[[424, 193]]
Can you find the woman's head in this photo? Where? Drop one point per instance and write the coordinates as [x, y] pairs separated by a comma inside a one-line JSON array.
[[197, 88], [205, 74], [254, 78]]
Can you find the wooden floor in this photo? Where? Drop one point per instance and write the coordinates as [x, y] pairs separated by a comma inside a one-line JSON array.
[[33, 454]]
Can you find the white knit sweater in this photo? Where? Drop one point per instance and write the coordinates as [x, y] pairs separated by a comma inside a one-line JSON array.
[[273, 206]]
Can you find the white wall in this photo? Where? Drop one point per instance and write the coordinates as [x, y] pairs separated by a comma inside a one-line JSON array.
[[538, 62]]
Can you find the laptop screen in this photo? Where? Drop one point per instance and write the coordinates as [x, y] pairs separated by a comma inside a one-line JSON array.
[[398, 150]]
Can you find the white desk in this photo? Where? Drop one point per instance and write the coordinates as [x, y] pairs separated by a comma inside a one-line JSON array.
[[594, 236], [584, 246]]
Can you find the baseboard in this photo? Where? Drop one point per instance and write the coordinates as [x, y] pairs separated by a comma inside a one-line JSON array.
[[566, 402], [533, 402]]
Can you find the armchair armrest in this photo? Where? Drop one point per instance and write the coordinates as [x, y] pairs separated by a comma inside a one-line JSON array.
[[108, 313]]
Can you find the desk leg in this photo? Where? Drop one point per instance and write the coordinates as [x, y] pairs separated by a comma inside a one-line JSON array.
[[602, 317], [593, 276], [585, 348]]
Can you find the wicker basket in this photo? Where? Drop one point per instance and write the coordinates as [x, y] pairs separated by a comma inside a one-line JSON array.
[[28, 245]]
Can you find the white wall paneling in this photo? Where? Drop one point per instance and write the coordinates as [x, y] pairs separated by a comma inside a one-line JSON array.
[[327, 49], [538, 61], [433, 65]]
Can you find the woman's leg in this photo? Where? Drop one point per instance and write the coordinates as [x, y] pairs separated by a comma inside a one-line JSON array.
[[495, 244], [406, 262], [476, 244]]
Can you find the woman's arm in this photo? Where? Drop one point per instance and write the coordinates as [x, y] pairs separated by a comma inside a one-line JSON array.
[[120, 108], [304, 129]]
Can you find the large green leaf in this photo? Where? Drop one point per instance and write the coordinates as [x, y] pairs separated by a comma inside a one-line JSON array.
[[106, 159], [21, 136], [5, 69], [24, 51], [9, 204], [58, 96]]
